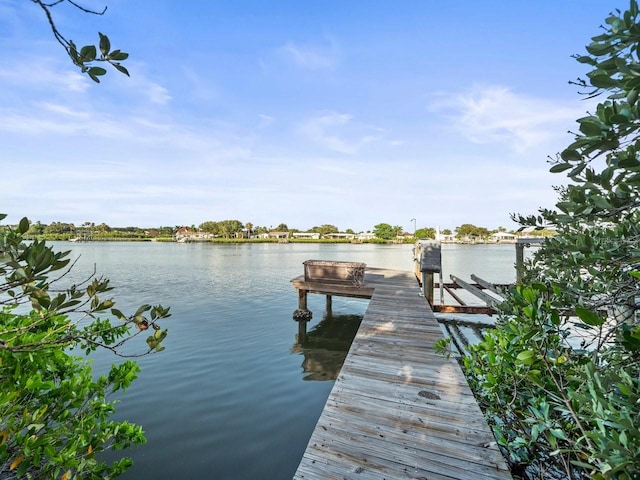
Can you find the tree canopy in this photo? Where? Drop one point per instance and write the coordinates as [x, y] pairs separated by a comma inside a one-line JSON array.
[[470, 230], [386, 232], [425, 232], [559, 378], [325, 229], [224, 228]]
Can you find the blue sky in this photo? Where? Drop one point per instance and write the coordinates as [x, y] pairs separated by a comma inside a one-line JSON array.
[[350, 113]]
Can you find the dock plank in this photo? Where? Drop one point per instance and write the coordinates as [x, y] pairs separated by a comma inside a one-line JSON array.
[[398, 410]]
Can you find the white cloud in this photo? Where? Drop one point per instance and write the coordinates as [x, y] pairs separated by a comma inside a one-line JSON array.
[[48, 76], [64, 110], [265, 121], [312, 57], [321, 129], [496, 114], [337, 132], [141, 85], [201, 88]]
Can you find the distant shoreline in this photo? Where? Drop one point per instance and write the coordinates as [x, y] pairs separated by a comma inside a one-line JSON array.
[[268, 240]]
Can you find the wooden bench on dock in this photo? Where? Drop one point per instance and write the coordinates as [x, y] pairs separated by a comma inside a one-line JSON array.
[[398, 410]]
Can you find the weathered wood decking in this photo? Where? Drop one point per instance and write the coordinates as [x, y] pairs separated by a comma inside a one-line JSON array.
[[398, 410]]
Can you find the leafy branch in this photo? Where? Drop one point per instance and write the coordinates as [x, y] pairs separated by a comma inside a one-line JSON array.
[[85, 57], [54, 416]]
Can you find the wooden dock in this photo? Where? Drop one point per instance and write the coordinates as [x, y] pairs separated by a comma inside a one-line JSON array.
[[398, 410]]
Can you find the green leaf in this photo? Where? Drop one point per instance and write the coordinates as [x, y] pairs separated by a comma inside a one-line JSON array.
[[97, 71], [601, 202], [590, 128], [603, 81], [88, 53], [105, 44], [121, 69], [586, 59], [589, 317], [118, 55], [570, 155], [118, 314], [577, 170], [526, 357], [23, 226], [619, 119], [558, 433], [606, 176], [560, 167]]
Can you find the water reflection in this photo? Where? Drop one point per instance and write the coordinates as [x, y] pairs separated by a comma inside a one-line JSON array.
[[326, 346]]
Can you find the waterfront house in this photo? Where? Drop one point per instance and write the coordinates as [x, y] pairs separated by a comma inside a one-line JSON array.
[[339, 236], [504, 237], [306, 235], [186, 234]]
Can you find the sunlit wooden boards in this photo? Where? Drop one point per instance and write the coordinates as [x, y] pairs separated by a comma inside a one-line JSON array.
[[398, 410]]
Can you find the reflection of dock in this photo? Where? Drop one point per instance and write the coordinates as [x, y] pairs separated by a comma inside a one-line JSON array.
[[327, 345], [398, 409]]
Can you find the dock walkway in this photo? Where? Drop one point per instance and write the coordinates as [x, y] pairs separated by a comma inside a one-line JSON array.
[[398, 410]]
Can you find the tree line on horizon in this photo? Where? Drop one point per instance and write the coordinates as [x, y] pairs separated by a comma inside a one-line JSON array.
[[234, 228]]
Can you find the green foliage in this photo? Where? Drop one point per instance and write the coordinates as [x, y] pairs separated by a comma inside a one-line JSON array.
[[426, 232], [54, 415], [325, 229], [469, 230], [385, 231], [555, 406], [559, 379], [225, 228]]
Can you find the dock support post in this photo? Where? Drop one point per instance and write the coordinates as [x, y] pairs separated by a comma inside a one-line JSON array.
[[430, 258], [302, 299], [427, 286], [329, 304], [519, 261]]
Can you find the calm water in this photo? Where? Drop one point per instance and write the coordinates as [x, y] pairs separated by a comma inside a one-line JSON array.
[[232, 397]]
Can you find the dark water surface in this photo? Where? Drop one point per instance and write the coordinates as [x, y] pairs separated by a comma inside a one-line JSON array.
[[232, 396]]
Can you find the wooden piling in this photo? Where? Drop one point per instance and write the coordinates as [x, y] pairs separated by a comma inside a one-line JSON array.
[[302, 299]]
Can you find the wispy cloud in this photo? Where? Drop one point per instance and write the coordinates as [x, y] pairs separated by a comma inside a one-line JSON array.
[[265, 120], [49, 76], [337, 132], [142, 85], [312, 57], [496, 114]]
